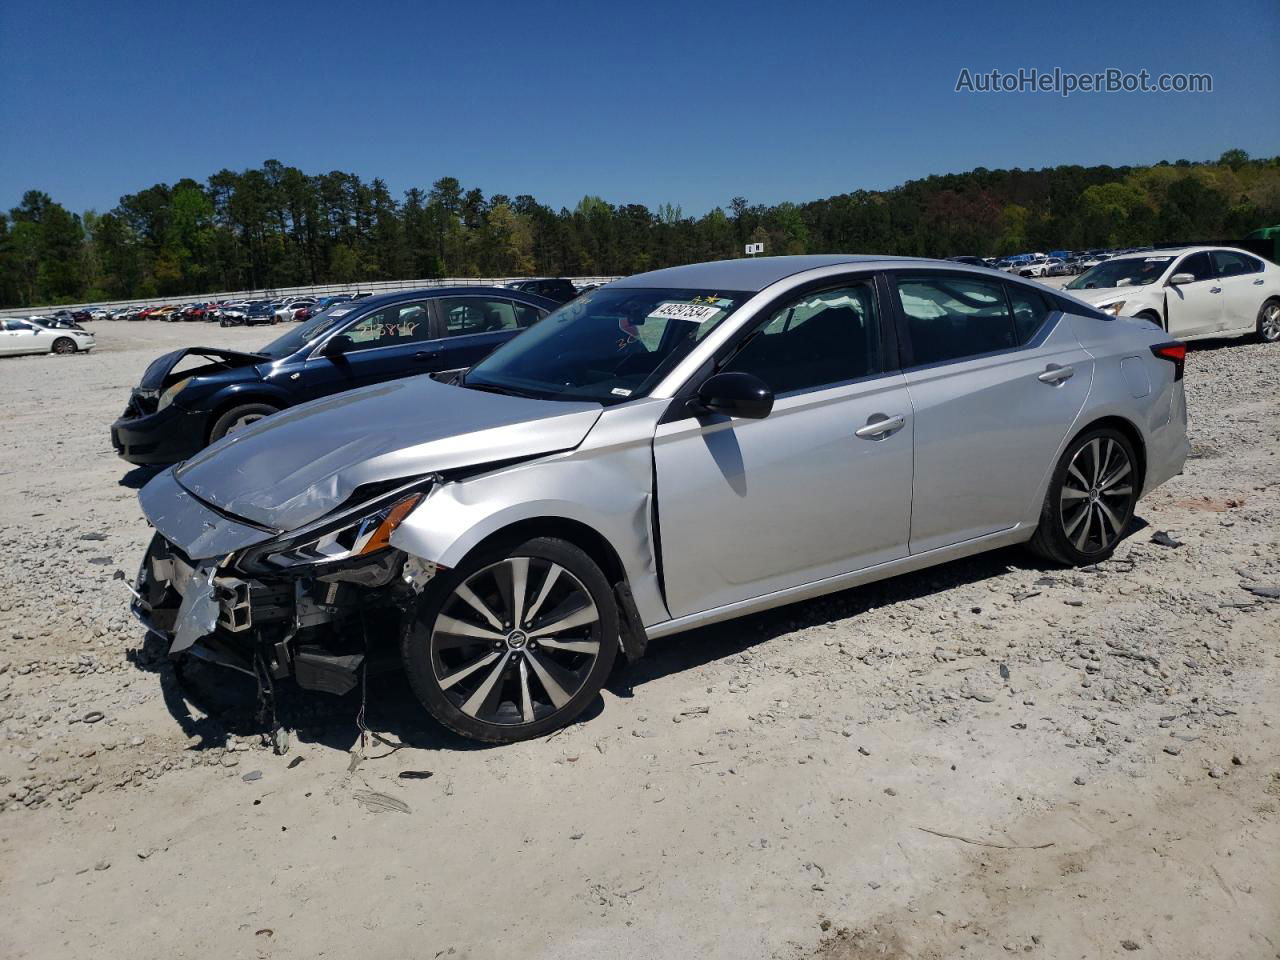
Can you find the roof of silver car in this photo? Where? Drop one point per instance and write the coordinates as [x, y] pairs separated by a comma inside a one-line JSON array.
[[749, 274]]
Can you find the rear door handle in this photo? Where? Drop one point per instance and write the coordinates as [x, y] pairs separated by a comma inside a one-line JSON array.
[[424, 355], [1054, 373], [1258, 282], [1215, 289], [879, 426]]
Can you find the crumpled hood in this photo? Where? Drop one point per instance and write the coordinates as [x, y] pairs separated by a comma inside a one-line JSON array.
[[160, 367], [298, 465], [1099, 295]]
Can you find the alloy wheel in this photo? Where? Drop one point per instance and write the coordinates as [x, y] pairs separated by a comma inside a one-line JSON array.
[[64, 346], [1097, 494], [515, 641], [241, 422], [1269, 323]]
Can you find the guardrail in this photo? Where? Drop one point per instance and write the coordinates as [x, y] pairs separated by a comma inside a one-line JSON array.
[[271, 293]]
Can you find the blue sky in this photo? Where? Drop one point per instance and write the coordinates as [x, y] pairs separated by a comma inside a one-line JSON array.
[[690, 103]]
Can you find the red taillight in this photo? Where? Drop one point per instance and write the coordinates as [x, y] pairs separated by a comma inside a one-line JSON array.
[[1175, 353]]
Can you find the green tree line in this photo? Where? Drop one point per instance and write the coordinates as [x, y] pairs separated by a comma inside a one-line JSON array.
[[277, 226]]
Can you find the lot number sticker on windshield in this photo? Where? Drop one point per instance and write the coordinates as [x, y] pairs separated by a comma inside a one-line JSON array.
[[693, 312]]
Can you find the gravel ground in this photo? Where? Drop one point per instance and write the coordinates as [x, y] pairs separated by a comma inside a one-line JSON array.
[[989, 757]]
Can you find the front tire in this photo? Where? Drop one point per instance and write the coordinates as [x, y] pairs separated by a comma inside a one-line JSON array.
[[64, 345], [514, 643], [1269, 322], [239, 417], [1090, 501]]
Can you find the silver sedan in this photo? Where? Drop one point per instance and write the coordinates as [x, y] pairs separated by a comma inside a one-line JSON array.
[[671, 450]]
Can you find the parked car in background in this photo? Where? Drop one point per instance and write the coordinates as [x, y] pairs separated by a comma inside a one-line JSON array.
[[289, 310], [1193, 293], [324, 303], [554, 288], [971, 261], [173, 412], [31, 336], [1049, 267], [253, 313], [59, 321], [654, 458]]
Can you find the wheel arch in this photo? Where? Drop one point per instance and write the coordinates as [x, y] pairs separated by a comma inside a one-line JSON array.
[[580, 534], [596, 546], [232, 400], [1131, 433]]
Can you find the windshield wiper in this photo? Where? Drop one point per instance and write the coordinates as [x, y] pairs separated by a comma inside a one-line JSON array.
[[494, 388]]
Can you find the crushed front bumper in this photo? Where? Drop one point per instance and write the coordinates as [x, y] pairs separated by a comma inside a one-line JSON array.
[[311, 629], [166, 436]]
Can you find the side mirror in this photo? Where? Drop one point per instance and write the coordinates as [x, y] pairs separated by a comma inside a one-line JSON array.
[[1180, 278], [736, 395], [335, 347]]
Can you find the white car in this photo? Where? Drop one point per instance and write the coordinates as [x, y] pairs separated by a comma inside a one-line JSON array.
[[290, 310], [27, 336], [1194, 292], [1050, 267]]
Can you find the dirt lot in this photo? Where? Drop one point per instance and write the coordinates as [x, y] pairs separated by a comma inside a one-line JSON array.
[[983, 759]]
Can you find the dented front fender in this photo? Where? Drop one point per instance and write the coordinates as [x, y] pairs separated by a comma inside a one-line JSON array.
[[605, 484]]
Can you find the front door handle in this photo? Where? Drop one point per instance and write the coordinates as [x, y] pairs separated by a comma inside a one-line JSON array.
[[879, 426], [1258, 282], [1215, 289], [424, 355], [1055, 373]]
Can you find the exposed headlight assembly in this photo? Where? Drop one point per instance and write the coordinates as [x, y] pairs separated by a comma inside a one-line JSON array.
[[359, 532], [1113, 308], [166, 398]]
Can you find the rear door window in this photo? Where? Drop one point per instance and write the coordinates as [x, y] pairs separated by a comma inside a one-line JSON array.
[[953, 316], [1228, 263], [527, 316], [468, 315], [1030, 311]]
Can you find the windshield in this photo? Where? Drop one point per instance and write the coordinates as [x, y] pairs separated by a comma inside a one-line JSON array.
[[608, 346], [1129, 272], [299, 337]]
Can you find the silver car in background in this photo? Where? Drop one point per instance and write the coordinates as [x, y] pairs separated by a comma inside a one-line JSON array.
[[671, 450]]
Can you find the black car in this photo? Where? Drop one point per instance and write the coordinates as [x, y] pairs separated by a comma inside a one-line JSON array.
[[59, 321], [174, 413], [971, 261], [556, 288], [258, 312]]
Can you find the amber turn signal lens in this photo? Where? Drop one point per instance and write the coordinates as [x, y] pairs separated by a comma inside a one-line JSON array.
[[382, 536]]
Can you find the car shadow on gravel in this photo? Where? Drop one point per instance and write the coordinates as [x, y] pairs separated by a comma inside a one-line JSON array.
[[138, 477], [213, 704], [704, 645]]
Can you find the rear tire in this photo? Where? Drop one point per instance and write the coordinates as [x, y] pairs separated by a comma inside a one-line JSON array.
[[64, 345], [1269, 322], [238, 417], [1090, 501], [514, 643]]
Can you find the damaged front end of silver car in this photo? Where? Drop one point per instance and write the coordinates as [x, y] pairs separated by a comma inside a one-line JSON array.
[[272, 604]]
